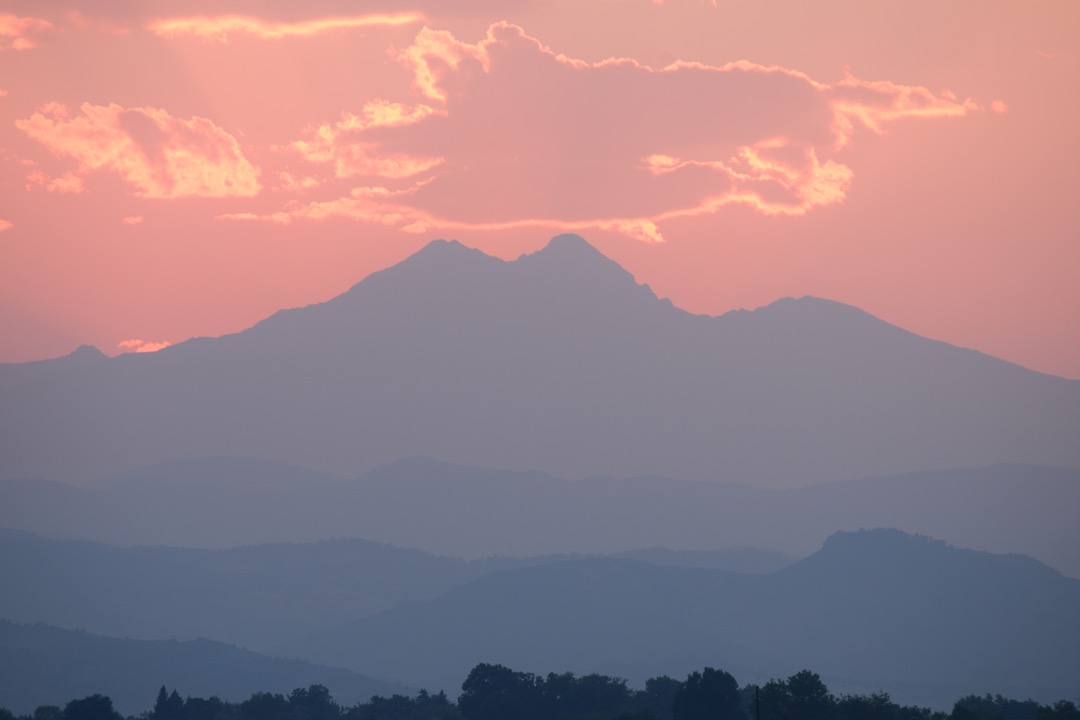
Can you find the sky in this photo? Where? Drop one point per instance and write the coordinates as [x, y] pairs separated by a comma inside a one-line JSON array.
[[171, 170]]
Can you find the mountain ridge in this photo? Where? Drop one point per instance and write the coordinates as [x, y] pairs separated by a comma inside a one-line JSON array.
[[425, 503], [557, 361], [45, 665], [931, 629]]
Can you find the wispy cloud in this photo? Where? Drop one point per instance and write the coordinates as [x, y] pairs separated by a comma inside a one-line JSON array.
[[508, 133], [69, 182], [5, 225], [219, 28], [160, 155], [21, 33], [346, 146], [142, 346], [132, 220]]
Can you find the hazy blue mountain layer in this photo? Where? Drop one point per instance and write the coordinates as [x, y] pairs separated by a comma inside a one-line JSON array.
[[870, 609], [43, 665], [256, 597], [455, 510]]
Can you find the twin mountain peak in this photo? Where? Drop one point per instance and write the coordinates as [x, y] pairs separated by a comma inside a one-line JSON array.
[[557, 361]]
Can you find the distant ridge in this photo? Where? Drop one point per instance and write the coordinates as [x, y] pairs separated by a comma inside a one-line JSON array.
[[557, 361], [257, 597], [43, 665], [937, 622], [425, 503]]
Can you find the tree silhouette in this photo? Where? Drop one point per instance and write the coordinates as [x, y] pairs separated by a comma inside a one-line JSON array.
[[168, 706], [659, 696], [708, 695], [1061, 710], [566, 697], [495, 692], [94, 707], [314, 703], [265, 706], [803, 696]]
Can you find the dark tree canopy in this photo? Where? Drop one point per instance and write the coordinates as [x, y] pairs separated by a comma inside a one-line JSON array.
[[659, 696], [314, 703], [94, 707], [708, 695], [265, 706], [997, 707], [803, 696], [495, 692]]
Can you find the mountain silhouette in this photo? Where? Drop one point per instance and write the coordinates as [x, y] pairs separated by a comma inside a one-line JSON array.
[[558, 361], [871, 610], [257, 597], [452, 509], [44, 665]]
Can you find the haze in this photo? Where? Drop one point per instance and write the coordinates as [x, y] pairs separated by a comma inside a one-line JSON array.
[[578, 359]]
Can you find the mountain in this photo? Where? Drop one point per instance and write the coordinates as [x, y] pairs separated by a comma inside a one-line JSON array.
[[871, 610], [559, 362], [471, 512], [258, 597], [42, 665], [255, 597]]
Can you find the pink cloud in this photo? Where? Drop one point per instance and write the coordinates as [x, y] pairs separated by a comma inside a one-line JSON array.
[[219, 28], [342, 143], [508, 133], [132, 220], [69, 182], [160, 155], [142, 346], [999, 107], [297, 184], [5, 225], [19, 33]]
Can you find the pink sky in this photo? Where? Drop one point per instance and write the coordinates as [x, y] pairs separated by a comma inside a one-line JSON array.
[[170, 174]]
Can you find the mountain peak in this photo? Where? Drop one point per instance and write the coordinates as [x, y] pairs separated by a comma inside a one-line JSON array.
[[86, 351], [445, 249], [567, 248], [569, 242], [889, 550], [573, 257]]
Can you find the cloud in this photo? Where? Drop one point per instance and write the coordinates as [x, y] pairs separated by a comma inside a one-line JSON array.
[[342, 143], [132, 220], [999, 107], [160, 155], [5, 225], [142, 346], [508, 133], [69, 182], [19, 33], [219, 28]]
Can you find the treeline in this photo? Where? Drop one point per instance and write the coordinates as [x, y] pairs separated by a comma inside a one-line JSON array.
[[495, 692]]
